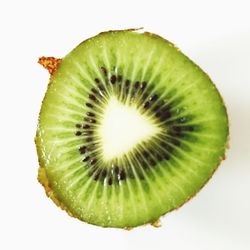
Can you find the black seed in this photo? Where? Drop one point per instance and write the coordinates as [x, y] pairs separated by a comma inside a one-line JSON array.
[[89, 139], [95, 91], [122, 175], [158, 114], [113, 79], [169, 148], [143, 163], [143, 85], [119, 78], [92, 171], [78, 125], [158, 156], [88, 132], [153, 98], [146, 105], [92, 161], [110, 181], [78, 133], [177, 129], [132, 93], [165, 116], [101, 88], [156, 108], [145, 154], [137, 84], [151, 161], [117, 170], [104, 173], [127, 83], [92, 97], [188, 128], [104, 71], [97, 80], [145, 95], [91, 147], [82, 149], [165, 109], [89, 105], [166, 156], [175, 133], [86, 158], [175, 142], [131, 173], [85, 126], [182, 120], [96, 177], [119, 88], [90, 114], [90, 120], [140, 174]]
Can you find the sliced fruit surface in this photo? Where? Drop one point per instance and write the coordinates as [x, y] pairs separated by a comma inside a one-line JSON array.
[[129, 129]]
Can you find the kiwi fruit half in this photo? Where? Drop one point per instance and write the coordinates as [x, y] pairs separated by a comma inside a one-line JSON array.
[[129, 129]]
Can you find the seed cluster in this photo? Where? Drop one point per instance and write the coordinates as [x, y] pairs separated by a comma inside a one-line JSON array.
[[139, 162]]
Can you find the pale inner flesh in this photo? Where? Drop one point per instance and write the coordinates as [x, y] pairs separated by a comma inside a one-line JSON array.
[[122, 128]]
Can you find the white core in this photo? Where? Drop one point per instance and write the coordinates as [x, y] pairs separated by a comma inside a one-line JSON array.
[[122, 128]]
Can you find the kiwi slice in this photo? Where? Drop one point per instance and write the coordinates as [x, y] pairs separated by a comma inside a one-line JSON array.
[[129, 129]]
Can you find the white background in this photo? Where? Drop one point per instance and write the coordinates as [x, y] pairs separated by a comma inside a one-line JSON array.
[[215, 34]]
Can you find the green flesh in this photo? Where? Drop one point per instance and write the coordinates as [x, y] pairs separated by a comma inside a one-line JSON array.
[[180, 158]]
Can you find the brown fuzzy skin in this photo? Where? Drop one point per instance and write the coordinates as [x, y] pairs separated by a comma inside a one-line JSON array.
[[159, 37], [44, 181], [189, 198], [131, 30], [52, 64], [156, 223]]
